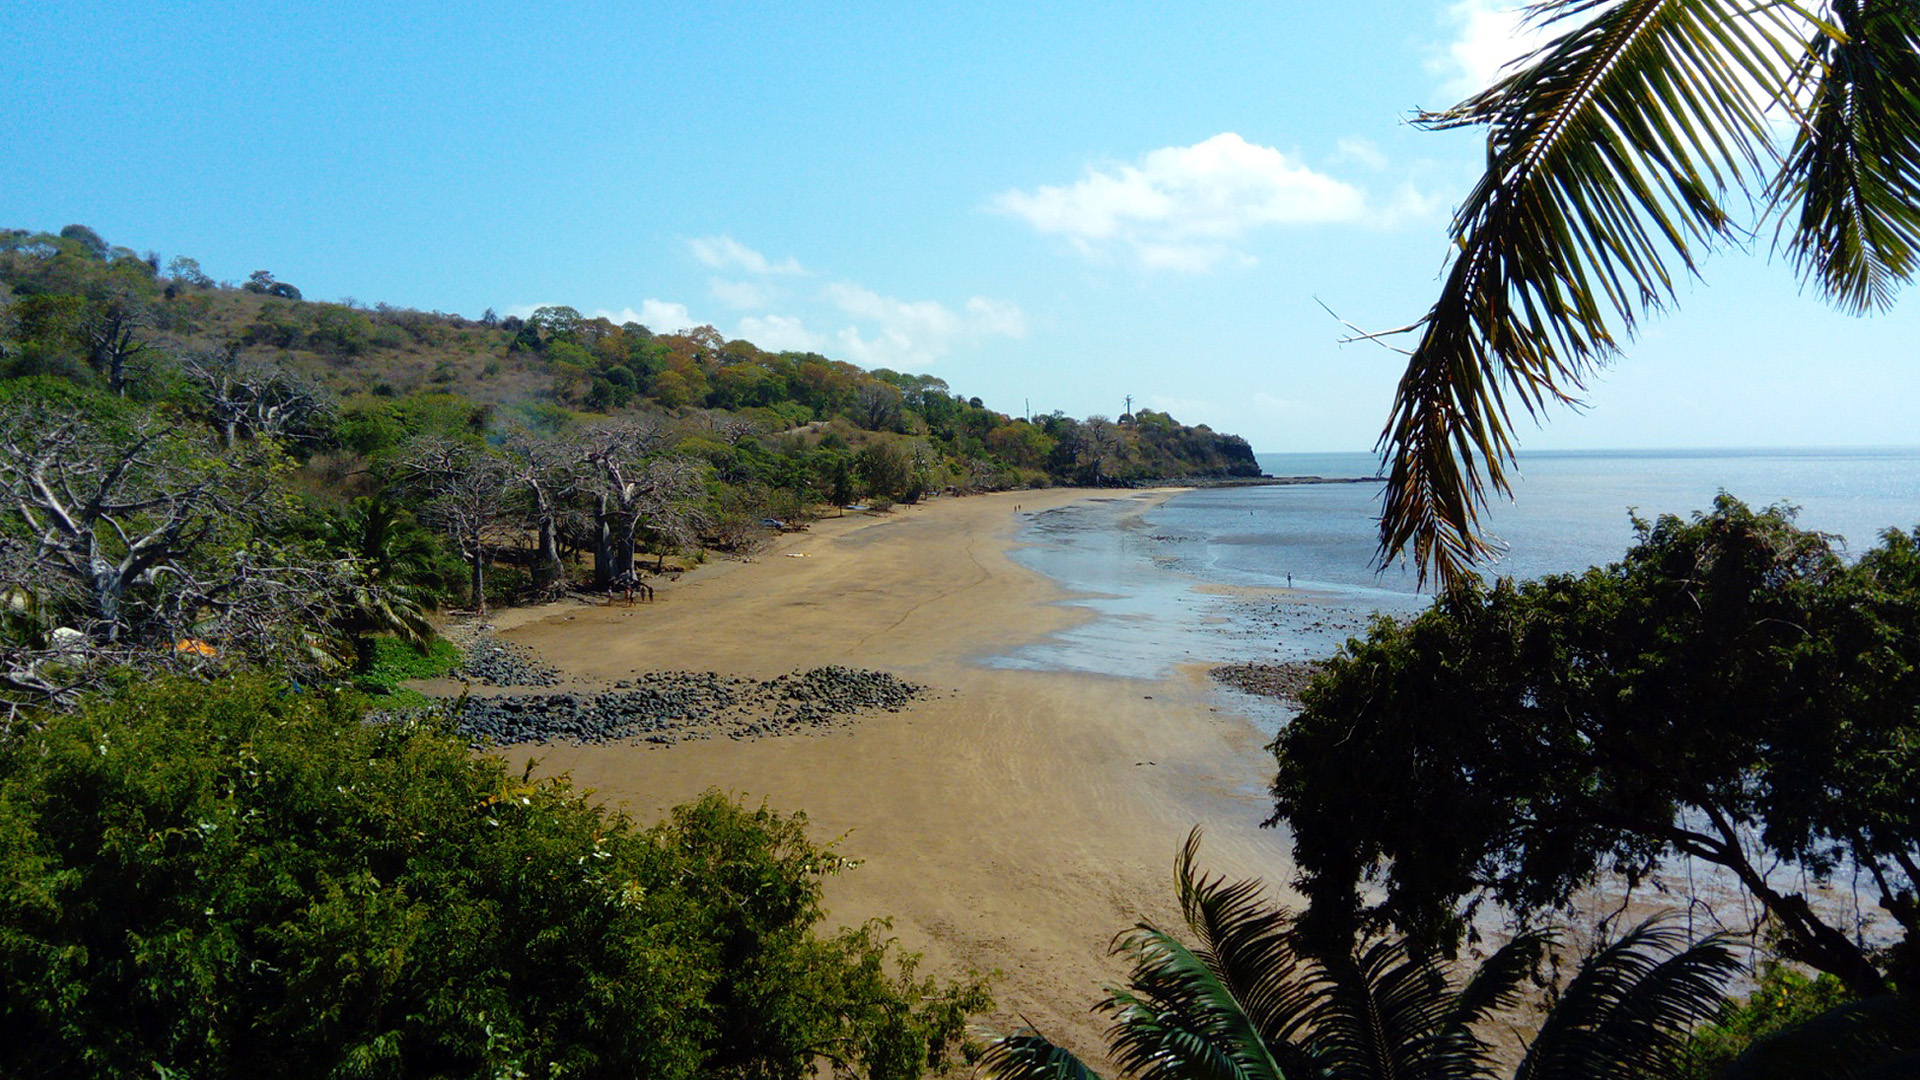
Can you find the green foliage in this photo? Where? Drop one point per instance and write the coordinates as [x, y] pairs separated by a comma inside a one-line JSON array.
[[1246, 998], [241, 880], [1610, 154], [1730, 692], [89, 241], [53, 396], [1783, 999], [504, 585], [393, 661], [885, 468]]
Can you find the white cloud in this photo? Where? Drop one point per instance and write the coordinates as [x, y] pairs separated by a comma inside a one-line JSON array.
[[664, 317], [659, 316], [921, 317], [1183, 206], [721, 252], [1488, 35], [740, 295], [1363, 151], [1189, 258], [779, 333], [997, 318], [915, 333], [1409, 202]]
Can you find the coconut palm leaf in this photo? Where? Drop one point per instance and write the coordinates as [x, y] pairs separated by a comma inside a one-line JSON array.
[[1177, 1020], [1389, 1012], [1251, 947], [1028, 1055], [1608, 154], [1627, 1013], [1854, 169], [1877, 1037]]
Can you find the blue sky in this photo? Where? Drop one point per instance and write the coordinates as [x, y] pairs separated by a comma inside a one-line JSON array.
[[1061, 204]]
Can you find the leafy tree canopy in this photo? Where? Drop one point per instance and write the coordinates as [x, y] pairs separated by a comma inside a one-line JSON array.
[[1731, 691], [240, 880]]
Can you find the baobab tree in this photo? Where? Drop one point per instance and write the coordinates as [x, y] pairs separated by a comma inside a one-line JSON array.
[[467, 493], [632, 489], [547, 472], [137, 545], [111, 327], [256, 400]]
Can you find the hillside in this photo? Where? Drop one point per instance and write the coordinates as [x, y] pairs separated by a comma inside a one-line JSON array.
[[83, 310]]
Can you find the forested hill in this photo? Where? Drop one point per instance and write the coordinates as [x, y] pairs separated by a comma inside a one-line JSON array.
[[75, 307]]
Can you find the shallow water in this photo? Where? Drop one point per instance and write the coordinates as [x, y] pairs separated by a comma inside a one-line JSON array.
[[1283, 573]]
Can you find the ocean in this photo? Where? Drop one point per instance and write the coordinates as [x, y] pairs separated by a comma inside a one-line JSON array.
[[1203, 577], [1280, 573]]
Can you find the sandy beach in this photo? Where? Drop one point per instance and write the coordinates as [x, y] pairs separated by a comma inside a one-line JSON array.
[[1010, 820]]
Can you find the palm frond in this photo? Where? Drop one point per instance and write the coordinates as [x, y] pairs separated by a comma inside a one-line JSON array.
[[1178, 1019], [1392, 1012], [1608, 154], [1496, 982], [1250, 945], [1854, 169], [1877, 1037], [1627, 1013], [1028, 1055]]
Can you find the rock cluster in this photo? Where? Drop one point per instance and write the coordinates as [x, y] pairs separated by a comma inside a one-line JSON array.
[[492, 662], [1283, 681], [670, 706]]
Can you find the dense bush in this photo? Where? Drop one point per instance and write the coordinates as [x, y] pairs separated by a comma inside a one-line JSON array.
[[1783, 999], [1731, 692], [393, 661], [240, 880]]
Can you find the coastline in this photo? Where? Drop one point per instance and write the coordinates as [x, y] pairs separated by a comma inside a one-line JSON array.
[[1011, 819]]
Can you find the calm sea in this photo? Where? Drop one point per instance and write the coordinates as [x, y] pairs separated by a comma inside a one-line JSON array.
[[1202, 577], [1154, 574], [1570, 510]]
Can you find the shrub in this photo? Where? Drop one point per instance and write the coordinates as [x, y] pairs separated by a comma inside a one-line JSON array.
[[395, 661], [1783, 998], [240, 880], [505, 584]]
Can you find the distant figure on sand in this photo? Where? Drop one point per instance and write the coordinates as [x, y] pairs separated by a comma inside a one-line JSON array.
[[630, 582]]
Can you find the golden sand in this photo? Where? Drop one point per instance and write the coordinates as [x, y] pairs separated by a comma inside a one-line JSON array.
[[1011, 820]]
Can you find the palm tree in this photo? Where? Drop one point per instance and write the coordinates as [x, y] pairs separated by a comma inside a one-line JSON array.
[[1248, 1002], [389, 555], [1611, 152]]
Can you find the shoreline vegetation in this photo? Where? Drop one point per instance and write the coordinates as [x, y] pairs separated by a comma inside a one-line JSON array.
[[245, 480], [1009, 819], [237, 523]]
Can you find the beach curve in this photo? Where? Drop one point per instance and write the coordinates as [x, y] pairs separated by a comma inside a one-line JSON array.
[[1011, 819]]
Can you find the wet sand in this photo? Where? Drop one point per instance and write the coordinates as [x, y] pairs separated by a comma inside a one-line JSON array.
[[1012, 819]]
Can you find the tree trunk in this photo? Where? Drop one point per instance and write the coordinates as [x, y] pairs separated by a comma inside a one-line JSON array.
[[108, 585], [624, 544], [603, 549], [546, 566], [478, 582]]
